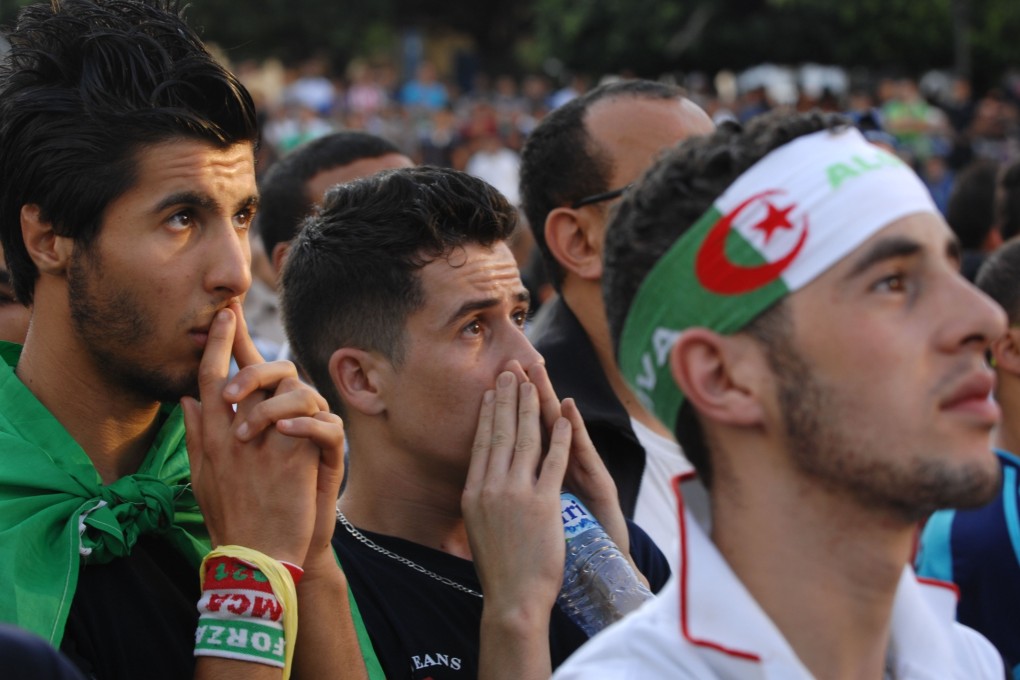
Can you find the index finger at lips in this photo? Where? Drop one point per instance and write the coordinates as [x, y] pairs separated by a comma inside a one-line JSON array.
[[244, 349], [548, 402], [215, 364]]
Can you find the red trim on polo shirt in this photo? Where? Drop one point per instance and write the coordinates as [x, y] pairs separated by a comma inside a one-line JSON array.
[[684, 629], [948, 585]]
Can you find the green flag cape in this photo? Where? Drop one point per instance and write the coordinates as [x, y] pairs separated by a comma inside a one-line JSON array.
[[55, 512]]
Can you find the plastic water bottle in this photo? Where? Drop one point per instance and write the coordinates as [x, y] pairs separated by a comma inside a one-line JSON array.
[[599, 585]]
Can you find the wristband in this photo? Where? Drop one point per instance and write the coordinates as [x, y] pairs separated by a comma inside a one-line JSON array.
[[248, 608]]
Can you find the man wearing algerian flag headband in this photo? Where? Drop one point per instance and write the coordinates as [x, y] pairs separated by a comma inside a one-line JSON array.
[[787, 298]]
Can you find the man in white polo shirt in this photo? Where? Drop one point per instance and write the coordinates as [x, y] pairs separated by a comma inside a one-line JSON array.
[[787, 299]]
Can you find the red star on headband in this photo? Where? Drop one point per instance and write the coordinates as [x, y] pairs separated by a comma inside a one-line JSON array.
[[776, 219]]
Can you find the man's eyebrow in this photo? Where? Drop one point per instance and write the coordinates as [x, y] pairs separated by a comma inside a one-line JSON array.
[[192, 198], [250, 203], [484, 303], [886, 249], [203, 201]]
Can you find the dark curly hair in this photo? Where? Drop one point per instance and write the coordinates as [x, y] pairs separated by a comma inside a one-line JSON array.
[[85, 85], [674, 193]]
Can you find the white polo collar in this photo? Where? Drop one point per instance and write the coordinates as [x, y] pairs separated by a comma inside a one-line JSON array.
[[737, 639]]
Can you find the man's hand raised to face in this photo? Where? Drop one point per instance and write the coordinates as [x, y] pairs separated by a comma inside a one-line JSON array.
[[586, 476], [267, 476], [511, 506]]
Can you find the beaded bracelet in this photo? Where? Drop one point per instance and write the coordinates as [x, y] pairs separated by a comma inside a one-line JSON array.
[[248, 608]]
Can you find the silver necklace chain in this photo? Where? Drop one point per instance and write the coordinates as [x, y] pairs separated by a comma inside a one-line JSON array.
[[400, 558]]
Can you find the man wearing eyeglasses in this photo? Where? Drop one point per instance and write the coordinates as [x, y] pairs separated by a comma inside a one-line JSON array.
[[574, 167]]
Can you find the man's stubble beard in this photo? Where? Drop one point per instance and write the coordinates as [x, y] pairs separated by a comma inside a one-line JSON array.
[[833, 450], [113, 326]]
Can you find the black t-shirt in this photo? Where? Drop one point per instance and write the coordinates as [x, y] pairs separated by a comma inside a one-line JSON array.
[[135, 616], [423, 629]]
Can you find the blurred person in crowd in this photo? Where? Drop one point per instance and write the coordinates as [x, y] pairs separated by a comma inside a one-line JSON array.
[[991, 130], [753, 103], [971, 214], [299, 125], [940, 179], [1007, 201], [977, 549], [959, 104], [424, 91], [313, 90], [577, 84], [575, 166], [787, 298], [916, 124], [365, 96], [291, 191], [498, 165], [441, 140]]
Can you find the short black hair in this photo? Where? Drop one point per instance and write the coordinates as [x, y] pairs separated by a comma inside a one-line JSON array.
[[283, 199], [87, 84], [351, 279], [1007, 201], [970, 211], [561, 163], [999, 278], [675, 192]]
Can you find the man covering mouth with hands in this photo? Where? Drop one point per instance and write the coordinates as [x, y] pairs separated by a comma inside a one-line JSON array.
[[403, 303]]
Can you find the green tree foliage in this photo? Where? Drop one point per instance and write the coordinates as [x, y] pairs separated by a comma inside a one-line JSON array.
[[655, 36], [288, 29], [647, 37]]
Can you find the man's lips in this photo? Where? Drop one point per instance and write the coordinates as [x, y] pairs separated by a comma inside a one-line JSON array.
[[200, 335], [972, 397]]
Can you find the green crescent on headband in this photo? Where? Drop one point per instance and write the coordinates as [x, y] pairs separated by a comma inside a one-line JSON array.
[[788, 218]]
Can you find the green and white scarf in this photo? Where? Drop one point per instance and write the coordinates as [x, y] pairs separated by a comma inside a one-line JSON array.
[[55, 512]]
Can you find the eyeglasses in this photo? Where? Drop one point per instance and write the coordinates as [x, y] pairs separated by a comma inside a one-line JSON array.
[[598, 198]]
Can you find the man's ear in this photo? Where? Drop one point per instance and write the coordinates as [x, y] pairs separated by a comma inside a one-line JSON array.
[[1006, 352], [716, 373], [50, 253], [279, 257], [574, 239], [356, 375], [993, 239]]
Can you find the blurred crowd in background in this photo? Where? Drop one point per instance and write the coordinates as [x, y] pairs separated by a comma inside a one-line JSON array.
[[936, 123]]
